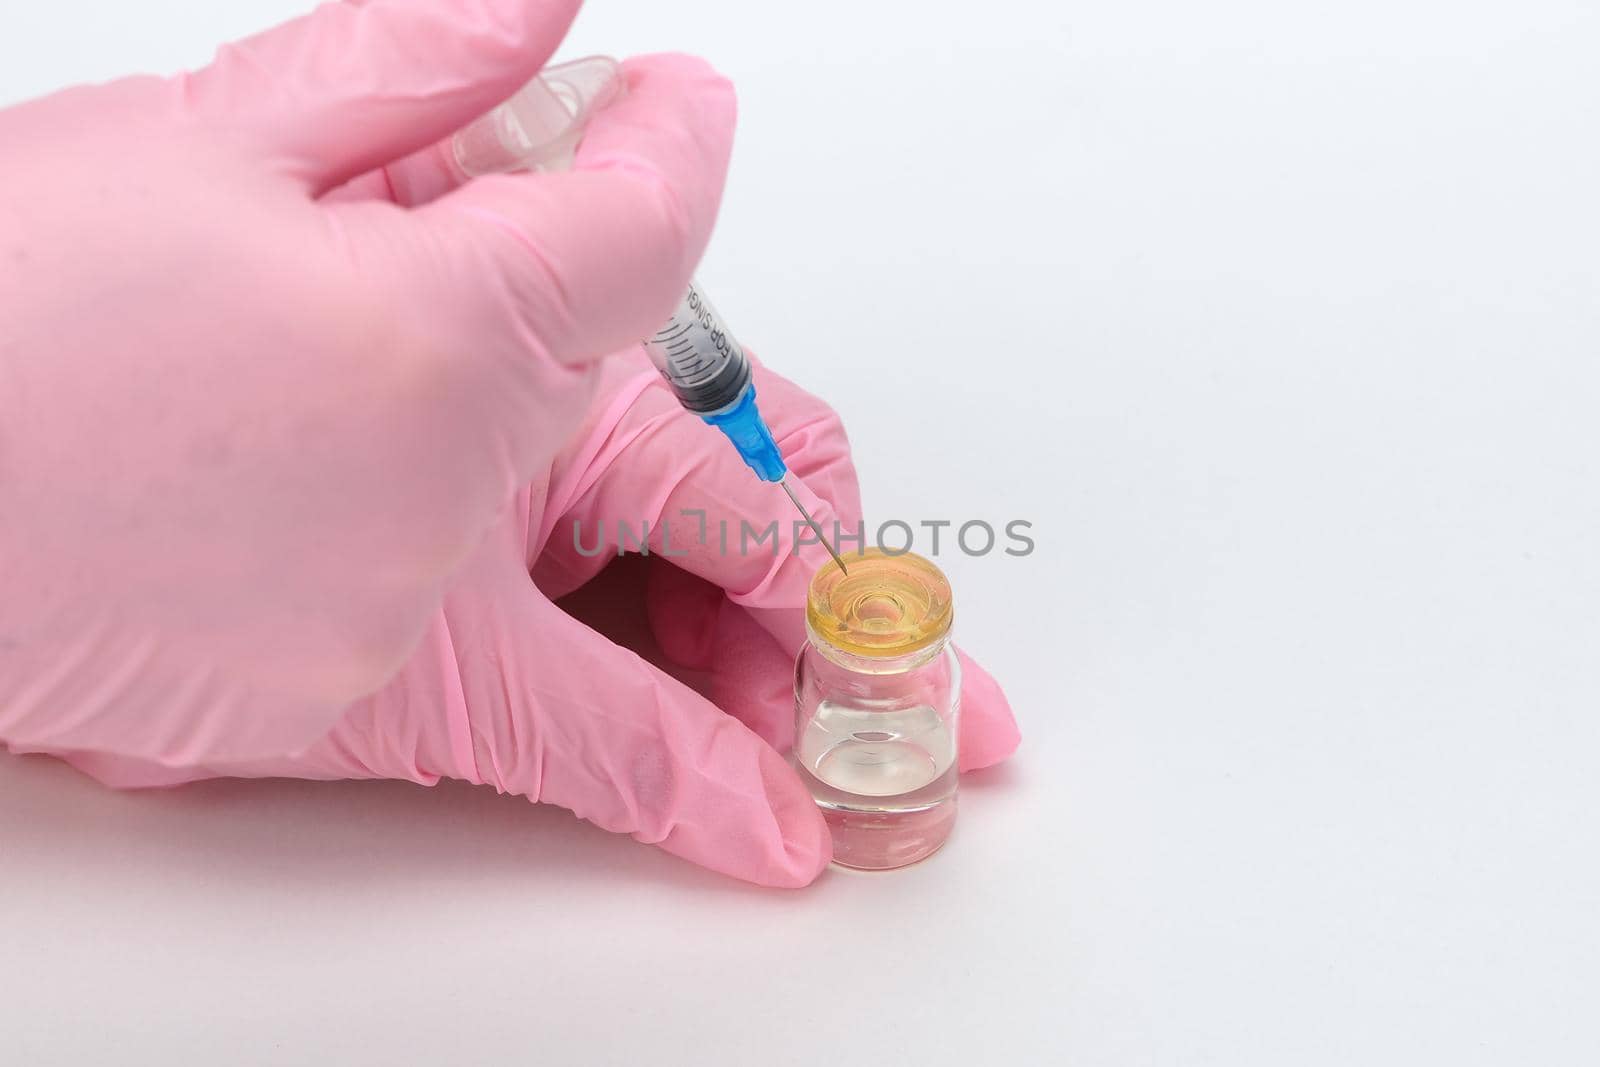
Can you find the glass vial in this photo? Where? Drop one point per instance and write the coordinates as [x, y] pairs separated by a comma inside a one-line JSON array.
[[878, 707]]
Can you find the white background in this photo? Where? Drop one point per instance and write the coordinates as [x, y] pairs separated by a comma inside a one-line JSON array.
[[1292, 313]]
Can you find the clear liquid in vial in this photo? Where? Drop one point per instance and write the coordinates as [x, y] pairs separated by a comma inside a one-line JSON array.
[[885, 781]]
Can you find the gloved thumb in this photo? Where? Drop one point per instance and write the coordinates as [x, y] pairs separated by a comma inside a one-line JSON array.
[[352, 86], [569, 718]]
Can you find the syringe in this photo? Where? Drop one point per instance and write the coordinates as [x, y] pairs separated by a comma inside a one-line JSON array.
[[707, 370], [710, 375]]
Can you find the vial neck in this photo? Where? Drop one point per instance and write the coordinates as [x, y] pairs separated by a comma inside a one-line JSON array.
[[851, 661]]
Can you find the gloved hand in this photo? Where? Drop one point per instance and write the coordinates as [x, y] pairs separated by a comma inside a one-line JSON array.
[[509, 690], [248, 434], [505, 687]]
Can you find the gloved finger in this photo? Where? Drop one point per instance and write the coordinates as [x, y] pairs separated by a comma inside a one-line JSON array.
[[752, 677], [409, 181], [373, 185], [654, 469], [584, 262], [697, 627], [354, 85], [567, 717], [989, 731]]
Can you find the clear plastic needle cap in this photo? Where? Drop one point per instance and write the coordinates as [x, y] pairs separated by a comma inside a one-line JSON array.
[[539, 127]]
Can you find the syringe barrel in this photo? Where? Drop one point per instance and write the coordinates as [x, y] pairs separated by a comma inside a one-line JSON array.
[[699, 357]]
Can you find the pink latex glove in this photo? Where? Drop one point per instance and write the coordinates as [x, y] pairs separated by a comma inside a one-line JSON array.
[[248, 434], [509, 690]]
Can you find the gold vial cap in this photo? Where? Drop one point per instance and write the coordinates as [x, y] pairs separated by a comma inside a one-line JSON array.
[[887, 606]]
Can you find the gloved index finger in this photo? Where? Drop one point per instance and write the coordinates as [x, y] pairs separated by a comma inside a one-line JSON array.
[[656, 473]]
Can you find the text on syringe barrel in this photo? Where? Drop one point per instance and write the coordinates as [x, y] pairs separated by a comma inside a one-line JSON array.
[[697, 355]]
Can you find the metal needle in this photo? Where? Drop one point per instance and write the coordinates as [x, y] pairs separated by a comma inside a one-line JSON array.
[[813, 524]]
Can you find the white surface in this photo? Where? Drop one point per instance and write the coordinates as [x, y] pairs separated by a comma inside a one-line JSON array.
[[1306, 300]]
